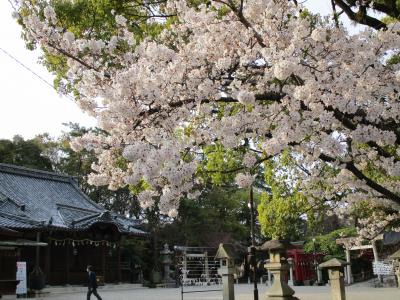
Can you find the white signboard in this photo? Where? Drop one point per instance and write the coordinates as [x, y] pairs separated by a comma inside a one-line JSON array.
[[382, 268], [21, 276]]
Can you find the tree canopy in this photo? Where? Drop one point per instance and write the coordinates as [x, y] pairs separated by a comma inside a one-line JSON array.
[[264, 75], [24, 153]]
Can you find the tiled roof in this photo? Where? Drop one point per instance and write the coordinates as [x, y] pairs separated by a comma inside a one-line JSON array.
[[37, 199]]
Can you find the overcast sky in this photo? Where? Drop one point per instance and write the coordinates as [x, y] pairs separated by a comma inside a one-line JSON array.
[[28, 106]]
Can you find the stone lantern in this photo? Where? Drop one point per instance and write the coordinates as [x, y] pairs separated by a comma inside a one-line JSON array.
[[226, 255], [166, 261], [396, 257], [278, 266], [336, 276]]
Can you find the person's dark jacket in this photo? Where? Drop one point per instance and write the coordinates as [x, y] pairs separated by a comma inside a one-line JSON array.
[[92, 283]]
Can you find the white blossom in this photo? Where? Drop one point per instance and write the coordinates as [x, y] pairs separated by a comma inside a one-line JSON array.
[[398, 76], [244, 180], [161, 100], [283, 69], [146, 198], [319, 35], [249, 160], [120, 20], [246, 98]]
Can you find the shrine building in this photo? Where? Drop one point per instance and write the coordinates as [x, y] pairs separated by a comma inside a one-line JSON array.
[[46, 220]]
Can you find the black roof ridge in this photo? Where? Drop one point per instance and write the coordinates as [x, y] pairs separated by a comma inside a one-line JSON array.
[[13, 169], [130, 219], [78, 208], [20, 205], [25, 219], [7, 198], [85, 218]]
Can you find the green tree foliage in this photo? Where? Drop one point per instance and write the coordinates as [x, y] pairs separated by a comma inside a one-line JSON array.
[[25, 153], [217, 161], [285, 211], [95, 19], [283, 207], [220, 215], [326, 243]]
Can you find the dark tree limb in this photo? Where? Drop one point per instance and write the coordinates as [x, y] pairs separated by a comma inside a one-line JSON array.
[[361, 16], [335, 15], [368, 181]]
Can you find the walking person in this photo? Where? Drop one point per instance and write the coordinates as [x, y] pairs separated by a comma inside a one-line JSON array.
[[92, 283]]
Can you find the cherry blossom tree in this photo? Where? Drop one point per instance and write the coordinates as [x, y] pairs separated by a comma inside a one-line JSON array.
[[266, 76]]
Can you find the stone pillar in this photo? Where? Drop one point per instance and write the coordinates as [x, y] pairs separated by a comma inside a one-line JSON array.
[[278, 267], [376, 256], [269, 278], [349, 273], [336, 276], [398, 275], [319, 275], [396, 257], [226, 272], [290, 261]]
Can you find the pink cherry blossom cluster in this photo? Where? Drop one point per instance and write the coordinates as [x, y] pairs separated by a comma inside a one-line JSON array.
[[261, 72]]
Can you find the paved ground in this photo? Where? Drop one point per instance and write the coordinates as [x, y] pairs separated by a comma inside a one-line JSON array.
[[242, 292]]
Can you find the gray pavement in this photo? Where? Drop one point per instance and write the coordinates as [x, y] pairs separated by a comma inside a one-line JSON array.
[[242, 292]]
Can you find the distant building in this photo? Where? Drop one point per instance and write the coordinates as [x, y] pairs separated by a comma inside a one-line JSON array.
[[48, 211]]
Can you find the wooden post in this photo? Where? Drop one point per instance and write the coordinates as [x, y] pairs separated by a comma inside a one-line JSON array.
[[47, 262], [103, 262], [119, 262], [206, 267], [37, 250], [67, 262], [184, 267]]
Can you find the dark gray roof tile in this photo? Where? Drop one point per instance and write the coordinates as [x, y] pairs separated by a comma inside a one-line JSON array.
[[50, 199]]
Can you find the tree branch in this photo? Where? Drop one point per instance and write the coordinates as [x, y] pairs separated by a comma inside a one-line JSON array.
[[368, 181], [361, 17]]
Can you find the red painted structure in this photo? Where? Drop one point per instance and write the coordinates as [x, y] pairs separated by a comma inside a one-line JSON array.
[[304, 264]]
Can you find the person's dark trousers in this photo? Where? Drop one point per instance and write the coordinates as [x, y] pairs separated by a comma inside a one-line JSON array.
[[94, 292]]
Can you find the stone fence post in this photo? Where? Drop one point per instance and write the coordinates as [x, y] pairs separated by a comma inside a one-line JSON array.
[[226, 256], [396, 257], [336, 276]]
